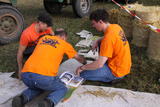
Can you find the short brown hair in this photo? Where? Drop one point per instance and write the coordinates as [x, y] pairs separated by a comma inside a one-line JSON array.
[[99, 14], [45, 18], [61, 33]]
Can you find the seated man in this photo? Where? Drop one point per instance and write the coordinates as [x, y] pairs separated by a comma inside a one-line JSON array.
[[114, 60], [30, 36], [40, 70]]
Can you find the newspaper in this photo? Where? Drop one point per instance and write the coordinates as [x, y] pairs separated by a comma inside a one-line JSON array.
[[85, 34], [71, 79]]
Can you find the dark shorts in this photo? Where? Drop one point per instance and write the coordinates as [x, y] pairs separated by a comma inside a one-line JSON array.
[[28, 51]]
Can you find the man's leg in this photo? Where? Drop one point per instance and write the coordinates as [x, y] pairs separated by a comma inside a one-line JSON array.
[[58, 92], [103, 74], [32, 91], [53, 84], [28, 94]]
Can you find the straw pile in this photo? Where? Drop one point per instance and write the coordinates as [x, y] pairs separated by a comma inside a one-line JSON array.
[[149, 17], [140, 34], [153, 50], [157, 24], [149, 14], [125, 21], [113, 13]]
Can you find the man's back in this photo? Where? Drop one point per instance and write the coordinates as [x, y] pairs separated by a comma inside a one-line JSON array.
[[48, 55], [29, 36], [116, 47]]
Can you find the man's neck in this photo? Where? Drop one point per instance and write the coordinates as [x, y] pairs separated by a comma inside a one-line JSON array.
[[106, 27], [62, 38], [37, 28]]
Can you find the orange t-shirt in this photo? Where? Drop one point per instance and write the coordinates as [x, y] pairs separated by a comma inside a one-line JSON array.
[[29, 36], [116, 48], [47, 56]]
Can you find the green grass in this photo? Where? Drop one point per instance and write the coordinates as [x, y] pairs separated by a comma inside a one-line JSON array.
[[144, 72]]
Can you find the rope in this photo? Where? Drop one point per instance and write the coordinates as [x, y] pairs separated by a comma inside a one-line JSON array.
[[133, 14]]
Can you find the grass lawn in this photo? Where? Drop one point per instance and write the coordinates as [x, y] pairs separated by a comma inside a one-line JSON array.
[[144, 73]]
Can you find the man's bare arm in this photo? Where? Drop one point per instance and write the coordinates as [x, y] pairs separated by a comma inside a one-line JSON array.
[[52, 32], [95, 43], [21, 49], [92, 66], [80, 59], [96, 64]]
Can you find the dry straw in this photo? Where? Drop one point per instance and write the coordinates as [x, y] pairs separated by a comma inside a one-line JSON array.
[[157, 24], [149, 14], [113, 13], [153, 50], [140, 34], [125, 21]]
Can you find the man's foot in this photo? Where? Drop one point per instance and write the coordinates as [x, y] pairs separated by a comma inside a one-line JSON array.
[[17, 101], [45, 103]]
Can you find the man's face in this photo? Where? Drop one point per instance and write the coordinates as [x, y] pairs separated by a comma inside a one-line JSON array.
[[97, 25], [42, 26], [65, 38]]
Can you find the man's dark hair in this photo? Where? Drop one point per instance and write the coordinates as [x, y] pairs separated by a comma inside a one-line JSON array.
[[99, 14], [45, 18], [61, 33]]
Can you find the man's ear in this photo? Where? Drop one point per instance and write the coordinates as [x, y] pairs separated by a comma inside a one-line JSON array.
[[63, 37], [39, 22], [101, 22]]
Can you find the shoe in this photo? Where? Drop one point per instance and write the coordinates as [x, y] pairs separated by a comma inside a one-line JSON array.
[[17, 101], [45, 103]]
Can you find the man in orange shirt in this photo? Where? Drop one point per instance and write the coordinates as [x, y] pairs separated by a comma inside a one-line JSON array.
[[40, 70], [30, 36], [114, 60]]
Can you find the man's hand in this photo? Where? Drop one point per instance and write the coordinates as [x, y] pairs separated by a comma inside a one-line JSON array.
[[80, 59], [95, 44], [78, 71], [21, 49]]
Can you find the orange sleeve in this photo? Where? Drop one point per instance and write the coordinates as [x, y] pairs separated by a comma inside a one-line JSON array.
[[106, 48], [24, 40], [48, 31], [70, 51]]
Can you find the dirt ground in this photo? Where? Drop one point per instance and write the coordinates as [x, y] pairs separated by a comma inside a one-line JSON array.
[[144, 73]]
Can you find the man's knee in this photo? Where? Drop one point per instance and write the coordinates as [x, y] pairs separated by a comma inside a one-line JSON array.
[[83, 74], [62, 87], [65, 89]]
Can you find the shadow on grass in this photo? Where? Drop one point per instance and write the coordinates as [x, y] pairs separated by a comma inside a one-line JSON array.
[[149, 2]]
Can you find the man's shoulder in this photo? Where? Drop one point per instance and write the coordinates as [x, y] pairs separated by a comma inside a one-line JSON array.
[[29, 29], [115, 27]]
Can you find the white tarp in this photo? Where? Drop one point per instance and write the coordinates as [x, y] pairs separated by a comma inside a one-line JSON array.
[[69, 65], [9, 87], [85, 95], [96, 96]]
